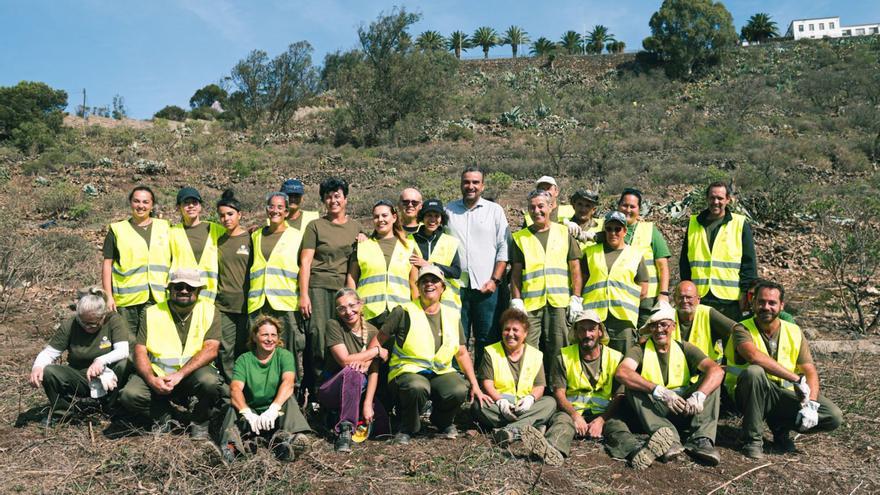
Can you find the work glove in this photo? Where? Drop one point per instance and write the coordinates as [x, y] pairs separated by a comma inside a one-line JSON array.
[[253, 420], [695, 403], [518, 304], [575, 307], [108, 379], [672, 400], [808, 416], [802, 389], [586, 236], [524, 404], [506, 409], [267, 419], [574, 229]]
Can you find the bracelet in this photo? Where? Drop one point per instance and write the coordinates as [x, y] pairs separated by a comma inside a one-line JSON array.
[[664, 293]]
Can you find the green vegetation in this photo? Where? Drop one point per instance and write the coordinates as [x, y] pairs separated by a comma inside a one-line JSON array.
[[515, 36], [171, 112], [759, 28], [206, 96], [31, 115], [485, 37], [459, 42]]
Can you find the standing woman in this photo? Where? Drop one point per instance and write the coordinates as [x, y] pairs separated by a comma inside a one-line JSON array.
[[323, 262], [436, 248], [380, 266], [137, 258], [235, 259], [194, 242]]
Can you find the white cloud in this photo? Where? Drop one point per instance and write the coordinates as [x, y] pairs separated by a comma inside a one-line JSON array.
[[222, 16]]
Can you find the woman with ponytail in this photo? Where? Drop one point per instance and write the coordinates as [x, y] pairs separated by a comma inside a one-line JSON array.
[[235, 257]]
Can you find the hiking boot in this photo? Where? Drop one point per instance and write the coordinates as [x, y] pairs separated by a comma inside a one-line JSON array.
[[783, 442], [402, 438], [672, 453], [754, 449], [449, 433], [300, 443], [343, 440], [199, 431], [540, 447], [658, 444], [49, 421], [702, 449], [505, 436]]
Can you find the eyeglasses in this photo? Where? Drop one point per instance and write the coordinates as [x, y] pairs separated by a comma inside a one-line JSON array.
[[410, 202], [90, 324], [180, 287], [613, 228], [663, 324], [429, 280], [342, 308]]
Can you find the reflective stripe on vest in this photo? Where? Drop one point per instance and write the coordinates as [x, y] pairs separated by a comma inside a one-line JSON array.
[[642, 240], [530, 364], [545, 275], [383, 286], [716, 269], [164, 348], [787, 352], [182, 257], [275, 280], [579, 391], [701, 332], [678, 376], [417, 353], [616, 291], [140, 270]]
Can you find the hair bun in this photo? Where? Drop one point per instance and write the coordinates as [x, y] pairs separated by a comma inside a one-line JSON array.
[[228, 194]]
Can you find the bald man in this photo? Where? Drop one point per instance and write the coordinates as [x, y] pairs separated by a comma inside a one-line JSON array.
[[698, 324], [410, 205]]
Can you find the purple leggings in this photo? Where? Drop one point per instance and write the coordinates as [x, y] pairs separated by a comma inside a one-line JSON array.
[[344, 392]]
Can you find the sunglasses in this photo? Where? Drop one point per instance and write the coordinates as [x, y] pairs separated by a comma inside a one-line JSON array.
[[410, 202], [180, 287], [613, 228]]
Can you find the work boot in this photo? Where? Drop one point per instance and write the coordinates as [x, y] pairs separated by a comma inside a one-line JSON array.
[[540, 447], [282, 446], [505, 436], [402, 438], [449, 433], [703, 450], [343, 440], [657, 445], [783, 442], [673, 452], [199, 431], [300, 444], [164, 424], [754, 449]]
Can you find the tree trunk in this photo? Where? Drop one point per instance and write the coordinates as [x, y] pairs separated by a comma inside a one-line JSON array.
[[485, 52], [513, 47]]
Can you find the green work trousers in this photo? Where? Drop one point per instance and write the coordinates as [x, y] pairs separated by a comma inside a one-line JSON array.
[[133, 315], [620, 443], [142, 401], [621, 334], [411, 391], [323, 310], [653, 414], [290, 421], [548, 331], [63, 383], [293, 334], [233, 341], [759, 399], [728, 308], [539, 414]]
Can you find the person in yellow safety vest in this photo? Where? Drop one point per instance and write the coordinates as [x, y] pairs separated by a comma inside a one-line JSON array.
[[410, 204], [582, 225], [588, 395], [137, 258], [178, 341], [646, 237], [194, 243], [558, 213], [435, 247], [772, 377], [427, 336], [718, 254], [661, 394], [380, 266], [512, 374], [296, 216], [617, 280], [702, 326], [545, 277], [274, 290]]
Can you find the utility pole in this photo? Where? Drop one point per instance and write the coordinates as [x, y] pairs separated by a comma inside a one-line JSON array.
[[85, 113]]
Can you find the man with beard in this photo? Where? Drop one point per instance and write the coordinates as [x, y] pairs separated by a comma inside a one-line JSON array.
[[772, 377]]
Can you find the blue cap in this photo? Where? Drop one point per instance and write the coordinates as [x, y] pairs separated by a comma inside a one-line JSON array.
[[293, 186]]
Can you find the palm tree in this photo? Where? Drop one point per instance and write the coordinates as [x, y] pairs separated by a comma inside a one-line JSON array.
[[515, 36], [571, 42], [458, 42], [542, 47], [597, 39], [431, 41], [615, 47], [759, 29], [486, 38]]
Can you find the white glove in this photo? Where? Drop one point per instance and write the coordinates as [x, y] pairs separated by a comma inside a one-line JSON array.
[[808, 416], [574, 229], [802, 389], [506, 409], [524, 404], [695, 403], [252, 419], [518, 304], [673, 401], [267, 419], [586, 235], [575, 307], [108, 379]]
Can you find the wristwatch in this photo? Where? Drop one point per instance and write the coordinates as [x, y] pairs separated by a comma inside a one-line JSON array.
[[664, 293], [496, 280]]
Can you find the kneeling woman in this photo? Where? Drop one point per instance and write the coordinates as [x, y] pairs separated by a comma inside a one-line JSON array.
[[97, 341], [512, 374], [427, 335], [350, 370], [262, 396]]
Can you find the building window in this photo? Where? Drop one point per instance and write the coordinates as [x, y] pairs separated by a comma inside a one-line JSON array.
[[821, 26], [830, 25], [860, 31], [812, 27], [875, 30], [846, 32], [801, 28]]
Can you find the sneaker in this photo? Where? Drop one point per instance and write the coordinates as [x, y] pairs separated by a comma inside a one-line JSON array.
[[657, 445], [702, 449], [505, 436], [343, 440], [754, 449], [540, 447], [672, 453], [401, 438], [783, 442], [199, 431]]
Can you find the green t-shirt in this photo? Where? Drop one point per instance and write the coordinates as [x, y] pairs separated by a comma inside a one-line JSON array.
[[335, 334], [269, 240], [397, 326], [235, 261], [260, 380], [83, 347], [198, 237], [487, 370], [333, 244], [111, 251], [692, 354], [516, 254]]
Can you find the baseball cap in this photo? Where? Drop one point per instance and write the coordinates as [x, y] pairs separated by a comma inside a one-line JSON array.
[[434, 205], [188, 276], [186, 193], [587, 194], [615, 216], [590, 315], [431, 270], [293, 186], [661, 311], [546, 179]]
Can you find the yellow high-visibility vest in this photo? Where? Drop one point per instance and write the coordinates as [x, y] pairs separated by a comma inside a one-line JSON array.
[[417, 353], [579, 391], [531, 361], [678, 376], [141, 270], [383, 286], [307, 217], [164, 348], [716, 269], [787, 352], [564, 213], [442, 254], [545, 275], [275, 280], [701, 332], [599, 227], [641, 239], [182, 257], [615, 291]]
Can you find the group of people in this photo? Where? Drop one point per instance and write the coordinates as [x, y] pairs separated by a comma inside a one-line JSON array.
[[252, 325]]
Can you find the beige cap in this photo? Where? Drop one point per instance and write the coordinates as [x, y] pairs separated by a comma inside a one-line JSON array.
[[431, 270], [188, 276], [589, 315], [546, 179], [661, 311]]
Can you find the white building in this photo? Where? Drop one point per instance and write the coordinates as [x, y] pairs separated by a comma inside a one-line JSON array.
[[822, 27]]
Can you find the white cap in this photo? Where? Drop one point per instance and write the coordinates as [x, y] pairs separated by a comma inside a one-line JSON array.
[[546, 179], [661, 311]]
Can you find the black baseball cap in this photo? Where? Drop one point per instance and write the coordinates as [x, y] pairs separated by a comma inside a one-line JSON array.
[[187, 193]]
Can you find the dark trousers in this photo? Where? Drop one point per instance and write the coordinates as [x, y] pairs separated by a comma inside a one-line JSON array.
[[548, 331], [143, 402], [478, 319], [411, 392], [291, 421], [62, 383], [132, 315], [344, 393], [233, 341], [728, 308], [619, 441], [323, 310], [653, 415]]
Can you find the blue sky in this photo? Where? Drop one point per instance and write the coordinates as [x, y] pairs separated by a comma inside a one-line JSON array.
[[158, 52]]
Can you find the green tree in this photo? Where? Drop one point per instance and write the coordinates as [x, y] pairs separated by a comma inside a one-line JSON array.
[[688, 36], [571, 42], [759, 29], [119, 111], [171, 112], [206, 96], [338, 64], [615, 47], [459, 42], [431, 41], [597, 39], [31, 115], [515, 36], [543, 47], [485, 37]]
